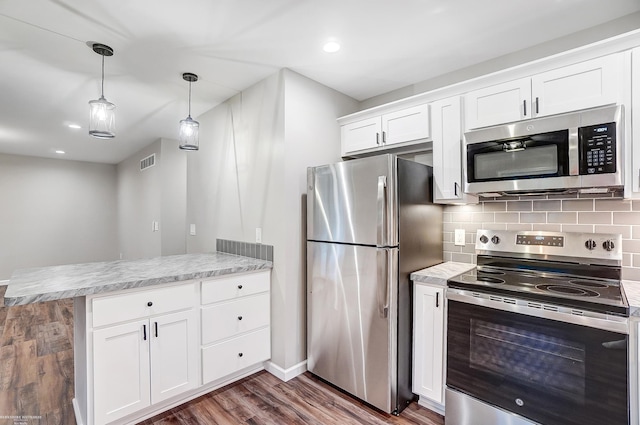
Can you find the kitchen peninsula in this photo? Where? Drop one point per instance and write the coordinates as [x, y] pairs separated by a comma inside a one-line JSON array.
[[154, 333]]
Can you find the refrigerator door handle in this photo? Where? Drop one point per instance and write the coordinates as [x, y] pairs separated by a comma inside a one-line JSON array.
[[382, 210], [383, 269]]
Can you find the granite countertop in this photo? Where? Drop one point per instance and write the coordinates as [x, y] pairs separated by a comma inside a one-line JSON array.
[[438, 274], [74, 280]]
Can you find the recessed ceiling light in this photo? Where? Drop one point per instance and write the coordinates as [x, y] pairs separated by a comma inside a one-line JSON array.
[[59, 152], [76, 126], [331, 46]]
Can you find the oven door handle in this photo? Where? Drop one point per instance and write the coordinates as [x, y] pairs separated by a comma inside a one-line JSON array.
[[609, 323], [616, 345]]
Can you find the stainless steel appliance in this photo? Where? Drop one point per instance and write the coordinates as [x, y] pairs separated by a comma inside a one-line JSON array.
[[580, 151], [538, 332], [370, 222]]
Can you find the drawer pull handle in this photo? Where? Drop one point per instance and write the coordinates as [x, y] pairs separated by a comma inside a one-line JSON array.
[[239, 354], [239, 286], [149, 304], [239, 317]]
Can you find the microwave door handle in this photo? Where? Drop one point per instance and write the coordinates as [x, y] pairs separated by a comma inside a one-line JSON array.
[[382, 211], [574, 154]]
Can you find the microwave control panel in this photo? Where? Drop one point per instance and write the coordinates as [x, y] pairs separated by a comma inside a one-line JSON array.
[[597, 149]]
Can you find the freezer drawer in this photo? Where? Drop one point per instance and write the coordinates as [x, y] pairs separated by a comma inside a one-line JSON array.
[[352, 319]]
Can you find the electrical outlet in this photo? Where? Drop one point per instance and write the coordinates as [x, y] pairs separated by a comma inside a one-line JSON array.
[[258, 235], [192, 230], [459, 237]]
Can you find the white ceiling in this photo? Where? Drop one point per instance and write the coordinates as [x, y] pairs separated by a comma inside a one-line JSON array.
[[48, 73]]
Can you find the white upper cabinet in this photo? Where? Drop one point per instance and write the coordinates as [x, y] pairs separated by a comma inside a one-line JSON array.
[[498, 104], [632, 188], [387, 130], [361, 135], [580, 86], [583, 85], [447, 151], [405, 125]]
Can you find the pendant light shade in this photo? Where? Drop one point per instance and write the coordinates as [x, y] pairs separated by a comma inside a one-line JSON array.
[[188, 135], [102, 117]]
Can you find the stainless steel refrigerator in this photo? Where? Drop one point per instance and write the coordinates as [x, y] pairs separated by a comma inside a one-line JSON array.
[[370, 223]]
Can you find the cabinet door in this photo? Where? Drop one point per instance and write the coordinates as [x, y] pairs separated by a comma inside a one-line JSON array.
[[428, 342], [360, 135], [583, 85], [447, 154], [120, 370], [174, 354], [633, 175], [498, 104], [406, 125]]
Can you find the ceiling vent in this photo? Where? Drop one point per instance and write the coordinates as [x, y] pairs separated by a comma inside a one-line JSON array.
[[147, 162]]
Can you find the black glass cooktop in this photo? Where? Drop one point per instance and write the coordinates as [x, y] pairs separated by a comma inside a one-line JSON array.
[[583, 292]]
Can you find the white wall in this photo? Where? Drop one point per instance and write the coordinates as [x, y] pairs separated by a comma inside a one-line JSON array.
[[55, 212], [157, 193], [582, 38], [251, 172]]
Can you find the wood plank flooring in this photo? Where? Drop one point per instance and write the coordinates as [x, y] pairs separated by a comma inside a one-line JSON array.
[[36, 380]]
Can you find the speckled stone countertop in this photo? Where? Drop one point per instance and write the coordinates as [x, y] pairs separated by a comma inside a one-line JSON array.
[[632, 291], [438, 274], [74, 280]]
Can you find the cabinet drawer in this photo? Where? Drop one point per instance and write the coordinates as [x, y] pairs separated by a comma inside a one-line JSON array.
[[230, 318], [226, 288], [220, 360], [124, 307]]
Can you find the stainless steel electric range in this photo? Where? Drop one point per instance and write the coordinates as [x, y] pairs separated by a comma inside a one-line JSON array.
[[538, 332]]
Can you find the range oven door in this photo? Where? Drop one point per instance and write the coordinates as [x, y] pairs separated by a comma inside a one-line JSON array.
[[550, 372]]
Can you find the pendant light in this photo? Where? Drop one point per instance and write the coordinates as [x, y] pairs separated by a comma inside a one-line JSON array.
[[102, 117], [188, 135]]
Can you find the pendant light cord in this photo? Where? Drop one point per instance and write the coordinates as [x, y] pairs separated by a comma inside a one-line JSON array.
[[189, 99], [102, 85]]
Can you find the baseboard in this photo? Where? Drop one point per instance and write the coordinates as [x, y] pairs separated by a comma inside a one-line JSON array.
[[431, 405], [285, 374]]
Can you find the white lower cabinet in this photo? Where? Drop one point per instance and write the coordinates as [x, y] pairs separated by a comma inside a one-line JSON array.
[[145, 361], [121, 371], [235, 324], [428, 345], [139, 352]]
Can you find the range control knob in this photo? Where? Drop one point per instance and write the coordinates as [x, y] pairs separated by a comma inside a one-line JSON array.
[[608, 245], [495, 240], [590, 244], [484, 239]]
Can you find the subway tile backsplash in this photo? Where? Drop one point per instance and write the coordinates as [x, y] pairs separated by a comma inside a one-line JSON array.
[[568, 214], [246, 249]]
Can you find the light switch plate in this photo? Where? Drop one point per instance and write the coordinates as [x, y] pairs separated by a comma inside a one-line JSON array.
[[258, 234], [192, 229], [459, 237]]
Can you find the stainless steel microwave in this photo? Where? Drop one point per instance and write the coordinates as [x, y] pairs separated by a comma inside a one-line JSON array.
[[574, 152]]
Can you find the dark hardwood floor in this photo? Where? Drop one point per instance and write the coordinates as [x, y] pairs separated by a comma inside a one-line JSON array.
[[36, 384]]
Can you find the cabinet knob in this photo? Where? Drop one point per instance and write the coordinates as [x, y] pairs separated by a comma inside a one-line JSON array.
[[239, 317], [149, 304], [239, 354], [239, 286]]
